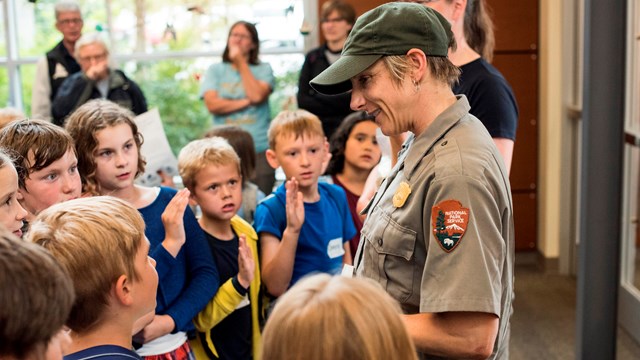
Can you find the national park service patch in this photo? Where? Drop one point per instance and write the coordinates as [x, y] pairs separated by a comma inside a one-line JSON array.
[[449, 220]]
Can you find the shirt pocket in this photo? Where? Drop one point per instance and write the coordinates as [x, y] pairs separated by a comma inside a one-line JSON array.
[[390, 257]]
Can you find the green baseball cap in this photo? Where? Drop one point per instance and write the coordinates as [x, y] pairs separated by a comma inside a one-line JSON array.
[[390, 29]]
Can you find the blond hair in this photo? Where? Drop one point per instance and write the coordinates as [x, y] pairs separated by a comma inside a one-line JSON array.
[[36, 298], [96, 240], [9, 114], [294, 122], [336, 313], [441, 68], [198, 154], [85, 122]]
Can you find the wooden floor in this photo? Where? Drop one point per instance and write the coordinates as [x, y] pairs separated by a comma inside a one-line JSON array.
[[543, 324]]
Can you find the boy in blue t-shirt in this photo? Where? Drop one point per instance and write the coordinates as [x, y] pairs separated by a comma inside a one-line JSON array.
[[304, 226]]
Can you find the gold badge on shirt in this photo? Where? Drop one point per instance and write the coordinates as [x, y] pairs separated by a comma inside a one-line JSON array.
[[401, 195]]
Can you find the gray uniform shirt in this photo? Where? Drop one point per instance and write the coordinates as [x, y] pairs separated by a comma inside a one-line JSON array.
[[439, 233]]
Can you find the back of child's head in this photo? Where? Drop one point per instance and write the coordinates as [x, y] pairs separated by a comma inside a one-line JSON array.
[[338, 141], [336, 312], [8, 115], [96, 240], [36, 144], [85, 122], [296, 123], [242, 142], [198, 154], [36, 296]]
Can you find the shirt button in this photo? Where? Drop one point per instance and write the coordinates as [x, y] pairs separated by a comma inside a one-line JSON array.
[[380, 241], [444, 143]]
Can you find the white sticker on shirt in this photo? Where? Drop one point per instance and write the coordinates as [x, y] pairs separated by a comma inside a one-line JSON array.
[[244, 302], [335, 248]]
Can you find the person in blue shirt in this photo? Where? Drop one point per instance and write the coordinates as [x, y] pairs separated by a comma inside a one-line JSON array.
[[236, 92], [100, 243], [304, 226], [108, 140]]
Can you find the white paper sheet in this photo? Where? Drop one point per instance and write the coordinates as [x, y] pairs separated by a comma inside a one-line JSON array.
[[155, 149]]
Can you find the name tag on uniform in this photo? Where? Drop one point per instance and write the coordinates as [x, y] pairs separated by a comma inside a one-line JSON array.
[[401, 195], [335, 249]]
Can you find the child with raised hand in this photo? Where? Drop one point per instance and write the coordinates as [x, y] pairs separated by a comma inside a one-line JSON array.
[[100, 242], [108, 143], [46, 157], [12, 214], [229, 325], [304, 226], [242, 143], [354, 153]]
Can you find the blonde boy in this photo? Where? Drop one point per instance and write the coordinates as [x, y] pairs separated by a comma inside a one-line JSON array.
[[228, 327], [46, 162], [304, 226], [100, 242]]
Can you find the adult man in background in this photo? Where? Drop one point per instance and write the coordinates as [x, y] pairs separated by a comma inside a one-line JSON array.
[[59, 62]]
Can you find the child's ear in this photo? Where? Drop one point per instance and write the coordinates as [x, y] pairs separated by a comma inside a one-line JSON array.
[[20, 195], [272, 159], [192, 199], [122, 290]]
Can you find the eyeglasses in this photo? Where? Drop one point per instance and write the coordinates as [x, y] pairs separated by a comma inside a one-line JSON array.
[[98, 57], [333, 21], [74, 21]]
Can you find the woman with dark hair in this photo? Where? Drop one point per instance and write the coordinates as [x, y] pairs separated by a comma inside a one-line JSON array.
[[354, 153], [236, 92], [336, 20], [490, 96]]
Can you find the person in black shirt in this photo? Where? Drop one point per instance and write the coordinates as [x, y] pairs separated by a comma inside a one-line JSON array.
[[337, 19], [59, 62], [490, 95]]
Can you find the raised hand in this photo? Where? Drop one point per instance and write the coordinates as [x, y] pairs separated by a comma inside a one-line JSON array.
[[294, 206], [246, 263], [172, 218]]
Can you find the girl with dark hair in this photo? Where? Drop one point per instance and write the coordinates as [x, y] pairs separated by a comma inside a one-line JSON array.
[[354, 153], [236, 92]]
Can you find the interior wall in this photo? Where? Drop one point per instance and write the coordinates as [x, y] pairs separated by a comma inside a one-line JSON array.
[[551, 130]]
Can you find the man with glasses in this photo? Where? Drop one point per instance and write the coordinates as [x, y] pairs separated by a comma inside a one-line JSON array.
[[96, 80], [59, 63]]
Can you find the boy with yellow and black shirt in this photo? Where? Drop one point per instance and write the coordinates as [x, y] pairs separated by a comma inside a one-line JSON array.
[[228, 327]]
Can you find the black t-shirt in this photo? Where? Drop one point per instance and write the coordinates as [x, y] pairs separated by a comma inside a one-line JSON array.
[[232, 336], [491, 98]]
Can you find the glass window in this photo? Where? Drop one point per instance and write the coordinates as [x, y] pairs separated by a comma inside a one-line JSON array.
[[172, 25], [3, 35], [27, 76], [4, 84], [37, 24]]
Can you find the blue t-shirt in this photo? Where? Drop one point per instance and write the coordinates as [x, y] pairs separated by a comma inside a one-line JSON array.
[[188, 281], [226, 81], [112, 352], [327, 226]]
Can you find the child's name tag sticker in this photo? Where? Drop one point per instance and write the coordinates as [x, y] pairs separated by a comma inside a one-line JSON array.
[[348, 270], [335, 249], [244, 302]]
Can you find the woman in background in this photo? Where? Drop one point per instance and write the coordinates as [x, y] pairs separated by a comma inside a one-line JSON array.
[[336, 19], [236, 92]]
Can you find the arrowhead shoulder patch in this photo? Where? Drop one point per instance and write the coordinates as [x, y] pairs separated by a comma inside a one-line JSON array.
[[449, 221]]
